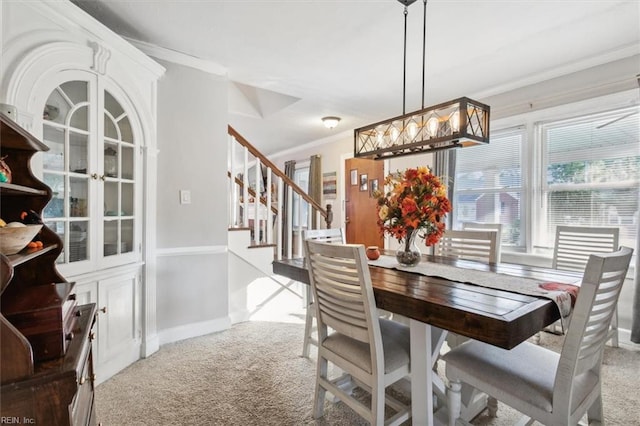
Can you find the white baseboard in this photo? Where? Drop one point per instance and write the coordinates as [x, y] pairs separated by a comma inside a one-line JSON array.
[[188, 331], [151, 346], [239, 316]]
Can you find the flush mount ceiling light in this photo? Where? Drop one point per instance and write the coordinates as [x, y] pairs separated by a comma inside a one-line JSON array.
[[458, 123], [330, 122]]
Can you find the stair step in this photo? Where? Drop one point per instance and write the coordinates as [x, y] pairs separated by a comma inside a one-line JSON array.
[[239, 228]]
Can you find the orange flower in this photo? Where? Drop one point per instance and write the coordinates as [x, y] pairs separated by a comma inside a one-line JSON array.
[[413, 199]]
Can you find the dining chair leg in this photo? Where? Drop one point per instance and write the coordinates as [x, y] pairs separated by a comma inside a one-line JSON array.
[[594, 413], [492, 406], [308, 329], [454, 401], [613, 330], [378, 404], [318, 407], [308, 323]]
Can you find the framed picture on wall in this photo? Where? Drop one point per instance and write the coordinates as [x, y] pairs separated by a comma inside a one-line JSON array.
[[364, 183], [329, 185], [373, 186], [354, 177]]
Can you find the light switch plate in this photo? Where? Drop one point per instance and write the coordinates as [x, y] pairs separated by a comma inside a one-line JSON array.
[[185, 196]]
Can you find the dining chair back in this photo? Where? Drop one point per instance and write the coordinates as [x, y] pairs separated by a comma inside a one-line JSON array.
[[331, 235], [574, 245], [469, 244], [551, 388], [372, 352], [486, 226]]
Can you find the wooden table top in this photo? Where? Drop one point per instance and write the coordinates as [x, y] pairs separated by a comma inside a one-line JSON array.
[[498, 317]]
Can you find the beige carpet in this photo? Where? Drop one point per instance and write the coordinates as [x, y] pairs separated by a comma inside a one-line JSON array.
[[253, 375]]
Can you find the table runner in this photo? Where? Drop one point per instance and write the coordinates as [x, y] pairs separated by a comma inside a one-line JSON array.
[[487, 279]]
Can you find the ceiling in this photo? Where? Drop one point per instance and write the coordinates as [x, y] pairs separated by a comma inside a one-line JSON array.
[[295, 61]]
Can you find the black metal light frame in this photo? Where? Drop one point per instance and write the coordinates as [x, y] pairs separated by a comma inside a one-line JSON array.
[[459, 123]]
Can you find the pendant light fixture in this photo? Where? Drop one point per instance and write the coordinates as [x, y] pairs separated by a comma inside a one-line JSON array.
[[458, 123]]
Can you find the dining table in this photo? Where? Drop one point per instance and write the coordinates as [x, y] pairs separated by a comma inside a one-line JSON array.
[[436, 305]]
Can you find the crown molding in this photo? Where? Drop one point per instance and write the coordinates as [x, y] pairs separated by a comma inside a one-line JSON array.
[[179, 57]]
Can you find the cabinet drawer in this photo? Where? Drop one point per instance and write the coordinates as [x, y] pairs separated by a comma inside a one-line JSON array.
[[82, 409]]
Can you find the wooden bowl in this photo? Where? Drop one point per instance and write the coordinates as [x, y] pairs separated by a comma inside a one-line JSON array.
[[14, 239]]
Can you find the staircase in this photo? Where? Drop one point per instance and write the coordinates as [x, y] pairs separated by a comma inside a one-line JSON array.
[[262, 201]]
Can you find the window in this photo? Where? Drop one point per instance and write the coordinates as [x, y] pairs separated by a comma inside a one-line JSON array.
[[592, 174], [582, 171], [301, 207], [488, 185]]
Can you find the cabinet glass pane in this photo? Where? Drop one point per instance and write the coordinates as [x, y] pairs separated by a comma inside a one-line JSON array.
[[111, 205], [55, 207], [127, 162], [56, 108], [126, 203], [78, 241], [112, 105], [110, 130], [111, 237], [78, 152], [126, 134], [54, 158], [126, 246], [110, 159], [76, 91], [80, 118], [78, 191], [58, 227]]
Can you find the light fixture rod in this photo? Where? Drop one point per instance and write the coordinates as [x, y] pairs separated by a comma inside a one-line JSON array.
[[424, 48], [404, 67]]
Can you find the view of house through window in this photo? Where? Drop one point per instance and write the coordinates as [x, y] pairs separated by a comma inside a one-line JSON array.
[[591, 177], [488, 185], [592, 174]]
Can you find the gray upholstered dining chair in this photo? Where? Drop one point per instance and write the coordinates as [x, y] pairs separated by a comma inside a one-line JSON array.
[[332, 235], [372, 352], [573, 246], [551, 388]]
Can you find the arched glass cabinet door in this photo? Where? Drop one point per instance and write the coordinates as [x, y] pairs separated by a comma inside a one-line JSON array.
[[119, 160], [66, 168], [92, 173]]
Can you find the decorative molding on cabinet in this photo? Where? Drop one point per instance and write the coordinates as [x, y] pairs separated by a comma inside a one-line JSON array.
[[101, 56], [68, 15]]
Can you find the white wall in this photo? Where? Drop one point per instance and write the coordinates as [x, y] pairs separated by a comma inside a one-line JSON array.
[[192, 275]]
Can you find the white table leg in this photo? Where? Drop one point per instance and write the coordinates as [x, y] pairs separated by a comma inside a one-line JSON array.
[[421, 373]]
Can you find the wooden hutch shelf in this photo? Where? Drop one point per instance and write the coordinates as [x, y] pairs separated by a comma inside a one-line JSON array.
[[46, 369]]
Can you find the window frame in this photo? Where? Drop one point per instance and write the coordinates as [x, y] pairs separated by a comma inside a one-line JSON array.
[[533, 159]]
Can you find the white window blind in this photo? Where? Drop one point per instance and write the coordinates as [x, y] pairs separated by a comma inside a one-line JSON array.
[[592, 173], [488, 184]]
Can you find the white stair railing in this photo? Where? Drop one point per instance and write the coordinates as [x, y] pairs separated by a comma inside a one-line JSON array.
[[257, 187]]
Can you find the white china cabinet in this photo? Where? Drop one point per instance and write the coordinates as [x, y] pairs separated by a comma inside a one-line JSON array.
[[90, 97]]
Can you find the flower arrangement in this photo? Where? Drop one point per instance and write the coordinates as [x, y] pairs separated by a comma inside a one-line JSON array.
[[415, 200]]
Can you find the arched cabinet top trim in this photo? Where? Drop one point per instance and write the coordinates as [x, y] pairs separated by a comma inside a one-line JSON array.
[[39, 72]]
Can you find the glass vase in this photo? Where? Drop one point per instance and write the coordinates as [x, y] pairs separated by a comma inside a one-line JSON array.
[[408, 254]]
